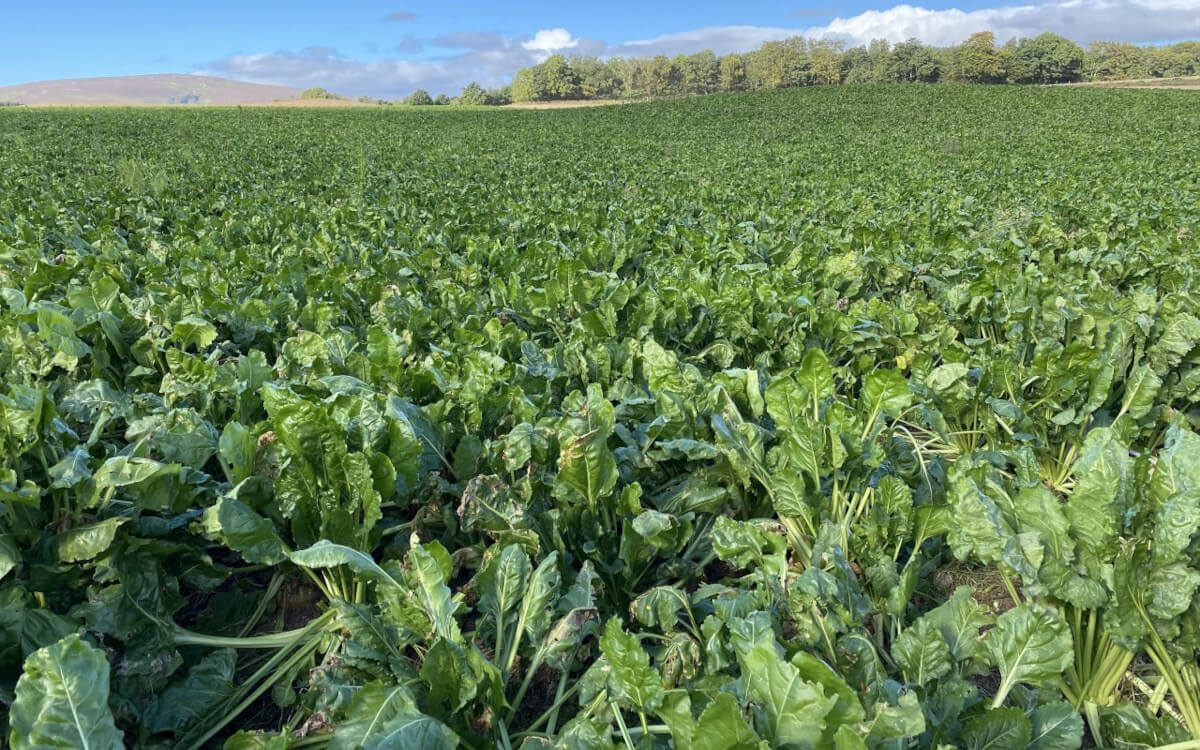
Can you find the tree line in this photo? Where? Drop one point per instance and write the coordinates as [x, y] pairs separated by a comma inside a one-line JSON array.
[[1043, 59]]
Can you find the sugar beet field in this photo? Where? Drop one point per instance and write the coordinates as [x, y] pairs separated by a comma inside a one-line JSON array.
[[857, 417]]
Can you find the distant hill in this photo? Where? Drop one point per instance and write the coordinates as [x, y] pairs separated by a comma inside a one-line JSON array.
[[144, 90]]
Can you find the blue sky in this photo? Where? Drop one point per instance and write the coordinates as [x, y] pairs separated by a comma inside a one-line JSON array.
[[390, 47]]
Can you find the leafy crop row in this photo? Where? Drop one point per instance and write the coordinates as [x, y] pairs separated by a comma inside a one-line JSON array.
[[839, 418]]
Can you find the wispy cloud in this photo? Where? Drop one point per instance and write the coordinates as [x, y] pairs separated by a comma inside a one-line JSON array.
[[491, 61], [409, 44], [401, 16], [720, 39], [450, 61]]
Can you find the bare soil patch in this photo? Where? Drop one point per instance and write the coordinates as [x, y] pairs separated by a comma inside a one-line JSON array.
[[568, 104], [319, 103], [1183, 82]]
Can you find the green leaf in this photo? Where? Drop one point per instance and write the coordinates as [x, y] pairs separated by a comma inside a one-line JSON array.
[[998, 729], [86, 542], [791, 710], [239, 528], [360, 491], [432, 591], [536, 604], [194, 331], [92, 398], [787, 403], [904, 719], [62, 700], [982, 528], [847, 738], [581, 733], [1141, 390], [502, 583], [659, 607], [447, 671], [123, 471], [816, 375], [27, 493], [847, 708], [723, 727], [24, 627], [632, 680], [558, 646], [1102, 492], [326, 554], [1030, 645], [1128, 726], [959, 620], [10, 555], [416, 445], [1039, 510], [922, 652], [186, 702], [70, 471], [1056, 726], [676, 713], [748, 546], [885, 392], [1169, 590], [663, 371], [57, 329], [244, 740], [945, 376], [237, 448], [382, 717], [683, 448], [181, 436], [1175, 495], [1176, 339], [587, 471]]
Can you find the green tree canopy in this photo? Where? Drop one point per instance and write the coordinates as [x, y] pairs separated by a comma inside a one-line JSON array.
[[473, 94], [525, 86], [419, 98], [1181, 59], [597, 79], [914, 62], [698, 73], [826, 59], [317, 93], [1047, 58], [1114, 61], [731, 72], [559, 80], [978, 61], [1043, 59]]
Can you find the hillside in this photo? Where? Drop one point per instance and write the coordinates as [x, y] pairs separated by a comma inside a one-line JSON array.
[[144, 90], [855, 417]]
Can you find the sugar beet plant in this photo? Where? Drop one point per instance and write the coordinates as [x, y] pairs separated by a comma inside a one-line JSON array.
[[855, 418]]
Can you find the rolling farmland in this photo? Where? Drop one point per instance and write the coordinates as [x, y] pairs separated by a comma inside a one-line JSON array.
[[852, 417]]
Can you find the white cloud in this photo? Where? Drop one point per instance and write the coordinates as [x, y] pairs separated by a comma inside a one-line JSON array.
[[1081, 20], [491, 59], [549, 41], [719, 39]]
